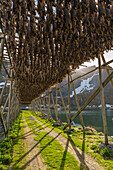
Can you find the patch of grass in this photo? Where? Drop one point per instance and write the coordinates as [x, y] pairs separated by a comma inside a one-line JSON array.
[[106, 153], [51, 150], [12, 148], [54, 155], [77, 142]]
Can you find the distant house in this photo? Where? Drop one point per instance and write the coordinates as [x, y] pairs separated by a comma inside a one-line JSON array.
[[106, 105]]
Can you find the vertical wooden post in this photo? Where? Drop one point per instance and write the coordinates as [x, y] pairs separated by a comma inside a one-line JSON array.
[[77, 102], [1, 95], [12, 105], [56, 105], [63, 104], [9, 109], [2, 121], [44, 104], [102, 102], [69, 101], [49, 104], [1, 53], [108, 73]]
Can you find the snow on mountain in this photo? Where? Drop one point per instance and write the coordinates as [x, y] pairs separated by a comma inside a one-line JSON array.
[[85, 85]]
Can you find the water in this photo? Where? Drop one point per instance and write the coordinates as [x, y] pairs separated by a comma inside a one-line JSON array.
[[92, 118]]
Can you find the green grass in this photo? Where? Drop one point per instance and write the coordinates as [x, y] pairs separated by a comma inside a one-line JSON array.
[[90, 140], [12, 148], [55, 157]]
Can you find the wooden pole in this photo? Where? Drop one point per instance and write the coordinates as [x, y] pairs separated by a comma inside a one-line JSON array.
[[5, 105], [1, 54], [1, 95], [49, 112], [63, 104], [12, 105], [49, 104], [108, 73], [43, 100], [3, 123], [9, 109], [92, 97], [103, 103], [77, 102], [56, 105], [69, 101]]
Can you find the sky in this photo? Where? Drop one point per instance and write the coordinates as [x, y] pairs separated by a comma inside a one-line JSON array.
[[108, 56]]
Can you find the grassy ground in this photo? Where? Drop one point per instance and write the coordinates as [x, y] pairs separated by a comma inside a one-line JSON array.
[[51, 150], [12, 148], [87, 141]]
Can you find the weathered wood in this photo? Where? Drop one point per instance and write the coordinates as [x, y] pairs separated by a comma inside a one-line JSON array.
[[5, 104], [1, 95], [102, 102], [63, 104], [3, 123], [77, 103], [12, 110], [108, 73], [69, 100], [92, 97], [9, 108], [49, 98], [1, 54], [56, 105], [5, 69]]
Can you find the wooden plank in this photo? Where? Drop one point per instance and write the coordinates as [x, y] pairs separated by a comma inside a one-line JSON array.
[[102, 102]]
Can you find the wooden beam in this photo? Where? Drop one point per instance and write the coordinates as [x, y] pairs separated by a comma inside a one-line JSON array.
[[9, 109], [1, 54], [102, 102], [54, 106], [3, 123], [63, 104], [77, 103], [5, 104], [92, 97], [5, 69], [69, 100], [108, 73], [1, 95]]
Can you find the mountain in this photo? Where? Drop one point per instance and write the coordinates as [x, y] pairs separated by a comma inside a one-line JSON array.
[[85, 87]]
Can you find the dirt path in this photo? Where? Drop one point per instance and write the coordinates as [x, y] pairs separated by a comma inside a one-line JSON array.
[[33, 157], [84, 159]]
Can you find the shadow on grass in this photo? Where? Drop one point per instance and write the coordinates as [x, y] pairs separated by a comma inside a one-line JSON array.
[[80, 156], [32, 149], [64, 155]]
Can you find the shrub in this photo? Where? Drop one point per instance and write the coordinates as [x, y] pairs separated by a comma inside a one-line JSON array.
[[106, 153]]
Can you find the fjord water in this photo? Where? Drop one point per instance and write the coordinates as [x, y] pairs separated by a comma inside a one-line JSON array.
[[92, 118]]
